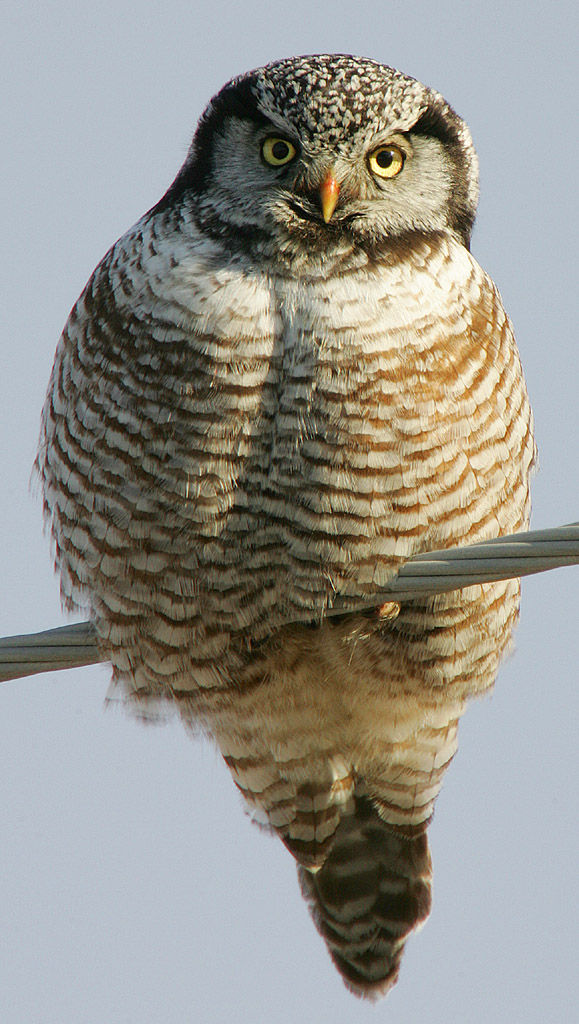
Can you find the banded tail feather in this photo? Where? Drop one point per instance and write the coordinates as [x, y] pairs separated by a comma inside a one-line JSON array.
[[373, 890]]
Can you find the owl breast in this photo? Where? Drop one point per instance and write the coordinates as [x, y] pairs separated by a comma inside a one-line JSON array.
[[241, 447]]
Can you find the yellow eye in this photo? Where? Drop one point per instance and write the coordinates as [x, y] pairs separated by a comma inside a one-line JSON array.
[[277, 152], [386, 161]]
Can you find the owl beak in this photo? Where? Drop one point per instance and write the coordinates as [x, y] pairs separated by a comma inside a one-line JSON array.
[[329, 193]]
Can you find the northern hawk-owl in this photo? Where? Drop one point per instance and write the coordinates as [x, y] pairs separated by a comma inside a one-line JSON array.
[[288, 377]]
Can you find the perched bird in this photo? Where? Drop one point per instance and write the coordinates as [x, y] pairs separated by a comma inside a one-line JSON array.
[[288, 377]]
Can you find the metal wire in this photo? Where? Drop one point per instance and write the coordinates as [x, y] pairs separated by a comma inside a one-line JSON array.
[[434, 572]]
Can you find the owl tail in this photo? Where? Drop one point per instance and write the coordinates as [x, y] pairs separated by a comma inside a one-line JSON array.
[[373, 889]]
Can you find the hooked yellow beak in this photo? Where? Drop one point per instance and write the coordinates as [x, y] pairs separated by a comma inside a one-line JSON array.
[[329, 192]]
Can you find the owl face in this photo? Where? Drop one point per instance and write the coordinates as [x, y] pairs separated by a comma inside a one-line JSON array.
[[328, 152]]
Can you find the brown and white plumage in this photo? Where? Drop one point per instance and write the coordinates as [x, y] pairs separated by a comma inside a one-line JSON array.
[[262, 401]]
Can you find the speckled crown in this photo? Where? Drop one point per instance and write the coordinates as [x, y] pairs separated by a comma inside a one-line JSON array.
[[335, 95]]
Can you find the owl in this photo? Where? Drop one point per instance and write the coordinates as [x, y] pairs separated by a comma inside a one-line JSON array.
[[286, 379]]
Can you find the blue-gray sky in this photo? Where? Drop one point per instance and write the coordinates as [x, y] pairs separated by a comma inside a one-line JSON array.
[[132, 888]]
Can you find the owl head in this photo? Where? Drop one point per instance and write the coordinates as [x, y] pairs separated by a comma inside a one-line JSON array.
[[323, 153]]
